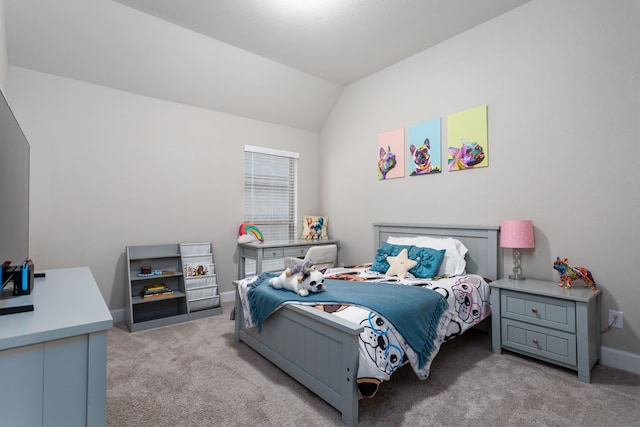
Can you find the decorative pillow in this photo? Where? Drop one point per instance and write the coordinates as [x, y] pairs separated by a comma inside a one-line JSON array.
[[315, 227], [428, 259], [454, 262], [380, 263], [400, 265]]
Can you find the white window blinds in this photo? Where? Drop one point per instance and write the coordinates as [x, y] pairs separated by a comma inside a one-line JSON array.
[[270, 191]]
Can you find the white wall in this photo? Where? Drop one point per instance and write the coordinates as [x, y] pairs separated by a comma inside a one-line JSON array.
[[562, 85], [3, 51], [111, 169]]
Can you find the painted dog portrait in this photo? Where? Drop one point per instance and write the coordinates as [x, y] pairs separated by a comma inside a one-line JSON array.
[[468, 155], [422, 158], [386, 162]]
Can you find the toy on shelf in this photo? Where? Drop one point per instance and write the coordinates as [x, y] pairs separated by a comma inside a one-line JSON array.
[[569, 274]]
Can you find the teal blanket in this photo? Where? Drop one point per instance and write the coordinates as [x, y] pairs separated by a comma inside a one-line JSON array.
[[414, 311]]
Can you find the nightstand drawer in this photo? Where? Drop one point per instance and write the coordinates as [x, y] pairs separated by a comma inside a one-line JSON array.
[[538, 310], [540, 342], [273, 253], [296, 251]]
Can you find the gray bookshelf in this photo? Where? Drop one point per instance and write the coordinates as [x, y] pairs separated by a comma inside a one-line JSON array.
[[167, 267]]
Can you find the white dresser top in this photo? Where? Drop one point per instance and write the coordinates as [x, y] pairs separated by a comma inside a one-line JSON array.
[[67, 302]]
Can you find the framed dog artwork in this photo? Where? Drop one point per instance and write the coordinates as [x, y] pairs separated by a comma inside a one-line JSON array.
[[467, 139], [424, 152], [391, 154]]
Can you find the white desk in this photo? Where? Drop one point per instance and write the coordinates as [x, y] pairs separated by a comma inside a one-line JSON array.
[[260, 251], [53, 360]]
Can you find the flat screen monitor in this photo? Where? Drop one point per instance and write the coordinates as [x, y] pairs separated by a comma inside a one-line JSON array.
[[14, 188]]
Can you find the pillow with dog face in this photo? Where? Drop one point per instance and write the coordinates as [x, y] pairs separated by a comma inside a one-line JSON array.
[[315, 227]]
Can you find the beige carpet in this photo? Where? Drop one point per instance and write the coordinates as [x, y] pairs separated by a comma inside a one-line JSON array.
[[194, 374]]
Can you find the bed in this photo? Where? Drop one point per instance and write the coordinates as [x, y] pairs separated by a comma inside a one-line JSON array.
[[322, 351]]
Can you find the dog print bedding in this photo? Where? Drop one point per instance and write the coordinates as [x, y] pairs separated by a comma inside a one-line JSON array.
[[385, 344]]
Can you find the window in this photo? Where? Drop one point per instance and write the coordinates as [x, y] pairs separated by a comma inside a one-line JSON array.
[[270, 194]]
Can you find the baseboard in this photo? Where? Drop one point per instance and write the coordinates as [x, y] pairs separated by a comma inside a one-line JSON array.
[[619, 359], [118, 315], [228, 296]]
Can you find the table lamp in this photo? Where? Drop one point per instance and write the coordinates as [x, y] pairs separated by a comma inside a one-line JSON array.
[[516, 234]]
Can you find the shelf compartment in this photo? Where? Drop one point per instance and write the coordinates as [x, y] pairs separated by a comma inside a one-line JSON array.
[[165, 307], [153, 251], [192, 283], [136, 278], [140, 300], [204, 303], [202, 292]]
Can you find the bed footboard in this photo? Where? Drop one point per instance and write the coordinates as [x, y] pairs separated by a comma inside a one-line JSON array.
[[318, 350]]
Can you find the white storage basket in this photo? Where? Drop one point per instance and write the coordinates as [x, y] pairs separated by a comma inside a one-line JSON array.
[[204, 303], [200, 282], [203, 292]]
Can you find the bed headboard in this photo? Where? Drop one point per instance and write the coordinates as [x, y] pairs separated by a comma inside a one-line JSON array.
[[482, 242]]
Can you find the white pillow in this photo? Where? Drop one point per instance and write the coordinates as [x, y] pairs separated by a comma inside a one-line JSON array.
[[453, 263]]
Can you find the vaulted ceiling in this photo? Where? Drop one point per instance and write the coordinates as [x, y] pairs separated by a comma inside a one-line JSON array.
[[281, 61]]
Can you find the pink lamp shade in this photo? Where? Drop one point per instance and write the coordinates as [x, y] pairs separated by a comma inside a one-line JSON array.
[[516, 233]]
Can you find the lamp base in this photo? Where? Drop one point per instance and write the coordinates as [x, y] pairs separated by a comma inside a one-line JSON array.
[[516, 266]]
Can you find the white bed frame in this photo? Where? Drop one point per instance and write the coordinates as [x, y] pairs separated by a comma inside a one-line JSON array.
[[320, 350]]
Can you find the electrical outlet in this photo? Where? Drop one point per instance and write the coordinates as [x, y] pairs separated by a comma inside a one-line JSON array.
[[619, 321]]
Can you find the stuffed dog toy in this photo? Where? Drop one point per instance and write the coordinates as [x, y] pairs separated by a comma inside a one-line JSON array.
[[467, 156], [310, 280], [386, 162]]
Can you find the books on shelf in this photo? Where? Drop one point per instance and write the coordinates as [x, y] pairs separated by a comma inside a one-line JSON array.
[[200, 269], [158, 295], [156, 291]]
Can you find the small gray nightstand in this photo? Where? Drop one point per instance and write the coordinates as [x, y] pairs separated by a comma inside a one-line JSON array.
[[543, 320]]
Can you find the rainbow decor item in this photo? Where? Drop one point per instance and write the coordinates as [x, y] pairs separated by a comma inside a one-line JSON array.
[[248, 228]]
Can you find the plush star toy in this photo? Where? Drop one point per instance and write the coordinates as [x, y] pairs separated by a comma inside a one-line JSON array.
[[400, 265]]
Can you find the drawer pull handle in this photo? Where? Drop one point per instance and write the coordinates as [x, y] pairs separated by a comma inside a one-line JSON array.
[[534, 310], [535, 340]]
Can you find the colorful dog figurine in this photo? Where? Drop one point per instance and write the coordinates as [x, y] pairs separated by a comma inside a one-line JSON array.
[[421, 158], [386, 162], [467, 156], [569, 274]]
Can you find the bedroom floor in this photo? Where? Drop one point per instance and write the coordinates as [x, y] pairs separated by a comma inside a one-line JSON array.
[[194, 374]]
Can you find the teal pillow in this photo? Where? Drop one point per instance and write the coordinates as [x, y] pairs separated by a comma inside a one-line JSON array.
[[428, 259], [380, 263]]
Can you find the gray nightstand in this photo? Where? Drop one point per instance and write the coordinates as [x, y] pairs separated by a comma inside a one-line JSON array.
[[543, 320]]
